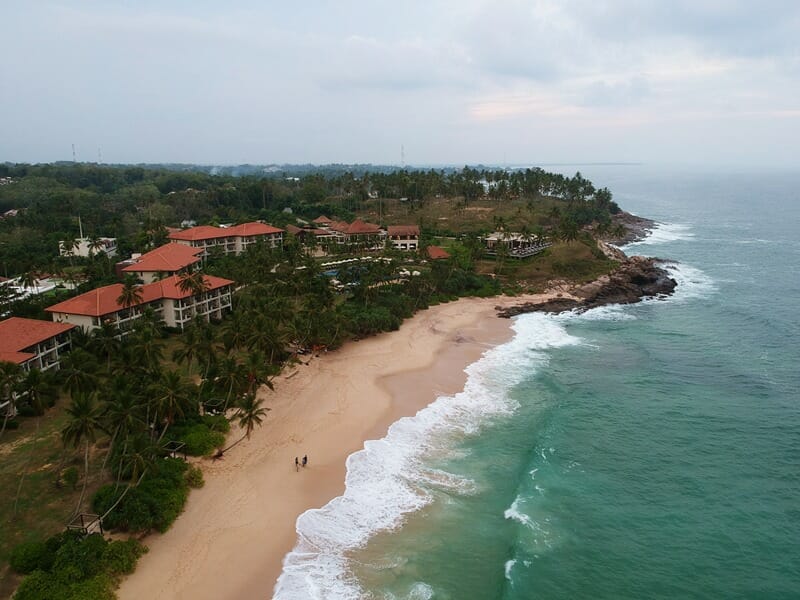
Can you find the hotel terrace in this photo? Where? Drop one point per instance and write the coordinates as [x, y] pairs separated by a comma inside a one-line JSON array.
[[367, 235], [231, 240], [175, 307], [33, 344], [169, 259], [404, 237]]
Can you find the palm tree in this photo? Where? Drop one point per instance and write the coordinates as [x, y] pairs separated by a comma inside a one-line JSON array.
[[29, 280], [122, 413], [190, 344], [85, 421], [250, 412], [37, 390], [568, 230], [192, 282], [170, 399], [10, 374], [106, 341], [131, 293], [149, 349], [233, 376], [95, 245], [69, 247], [79, 372]]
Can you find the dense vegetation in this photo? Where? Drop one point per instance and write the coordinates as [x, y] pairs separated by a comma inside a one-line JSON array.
[[122, 400]]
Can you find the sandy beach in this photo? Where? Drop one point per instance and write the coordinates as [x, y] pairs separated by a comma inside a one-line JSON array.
[[230, 541]]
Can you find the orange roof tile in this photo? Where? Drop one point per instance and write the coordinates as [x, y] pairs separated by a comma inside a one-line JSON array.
[[15, 357], [17, 333], [167, 258], [437, 253], [170, 287], [248, 229], [103, 301], [403, 230], [356, 227], [100, 301], [208, 232], [322, 220], [201, 232]]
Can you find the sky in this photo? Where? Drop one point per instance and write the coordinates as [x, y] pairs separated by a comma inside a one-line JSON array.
[[429, 82]]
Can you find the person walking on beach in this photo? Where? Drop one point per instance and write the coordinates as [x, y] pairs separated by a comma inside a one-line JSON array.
[[297, 464], [305, 461]]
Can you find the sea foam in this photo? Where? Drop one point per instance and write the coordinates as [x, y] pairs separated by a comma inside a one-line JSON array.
[[389, 478], [663, 233]]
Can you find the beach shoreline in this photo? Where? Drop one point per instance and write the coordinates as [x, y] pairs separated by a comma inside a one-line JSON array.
[[232, 537]]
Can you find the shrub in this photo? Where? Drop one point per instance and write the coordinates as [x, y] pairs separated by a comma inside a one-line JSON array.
[[217, 423], [201, 441], [119, 557], [70, 476], [154, 504], [27, 556], [194, 477], [80, 558]]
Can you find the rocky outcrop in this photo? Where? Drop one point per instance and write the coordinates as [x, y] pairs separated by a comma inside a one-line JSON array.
[[636, 228], [635, 278]]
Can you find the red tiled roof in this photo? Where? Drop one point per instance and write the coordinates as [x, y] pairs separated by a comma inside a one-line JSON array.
[[100, 301], [294, 229], [103, 301], [17, 333], [170, 287], [356, 227], [248, 229], [167, 258], [15, 357], [201, 232], [207, 232], [322, 220], [437, 253], [408, 230]]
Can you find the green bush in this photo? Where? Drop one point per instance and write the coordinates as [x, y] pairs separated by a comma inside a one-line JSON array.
[[119, 557], [217, 423], [201, 441], [27, 556], [194, 477], [40, 585], [70, 476], [84, 568], [79, 559], [154, 504]]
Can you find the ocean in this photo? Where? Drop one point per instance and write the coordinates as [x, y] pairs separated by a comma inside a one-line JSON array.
[[641, 451]]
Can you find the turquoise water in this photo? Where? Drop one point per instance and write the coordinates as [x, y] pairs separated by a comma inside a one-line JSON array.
[[647, 451]]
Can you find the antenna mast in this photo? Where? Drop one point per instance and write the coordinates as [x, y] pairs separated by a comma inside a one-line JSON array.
[[73, 153], [402, 156]]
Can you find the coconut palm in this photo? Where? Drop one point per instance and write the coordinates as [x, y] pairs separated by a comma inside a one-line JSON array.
[[193, 283], [84, 424], [131, 293], [95, 245], [123, 413], [79, 372], [190, 345], [105, 340], [233, 378], [170, 399], [10, 374], [250, 412]]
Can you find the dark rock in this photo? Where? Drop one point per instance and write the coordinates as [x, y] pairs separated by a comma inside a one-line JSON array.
[[635, 278]]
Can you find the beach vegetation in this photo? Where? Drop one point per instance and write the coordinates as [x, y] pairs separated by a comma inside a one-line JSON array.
[[70, 565]]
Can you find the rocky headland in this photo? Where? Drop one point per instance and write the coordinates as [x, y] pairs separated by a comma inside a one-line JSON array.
[[636, 278]]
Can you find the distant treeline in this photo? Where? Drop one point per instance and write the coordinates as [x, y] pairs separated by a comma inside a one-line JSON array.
[[134, 203]]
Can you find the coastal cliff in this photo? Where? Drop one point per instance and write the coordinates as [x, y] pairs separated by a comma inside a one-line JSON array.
[[636, 277]]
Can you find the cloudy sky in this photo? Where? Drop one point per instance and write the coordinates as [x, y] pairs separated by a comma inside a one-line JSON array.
[[452, 81]]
